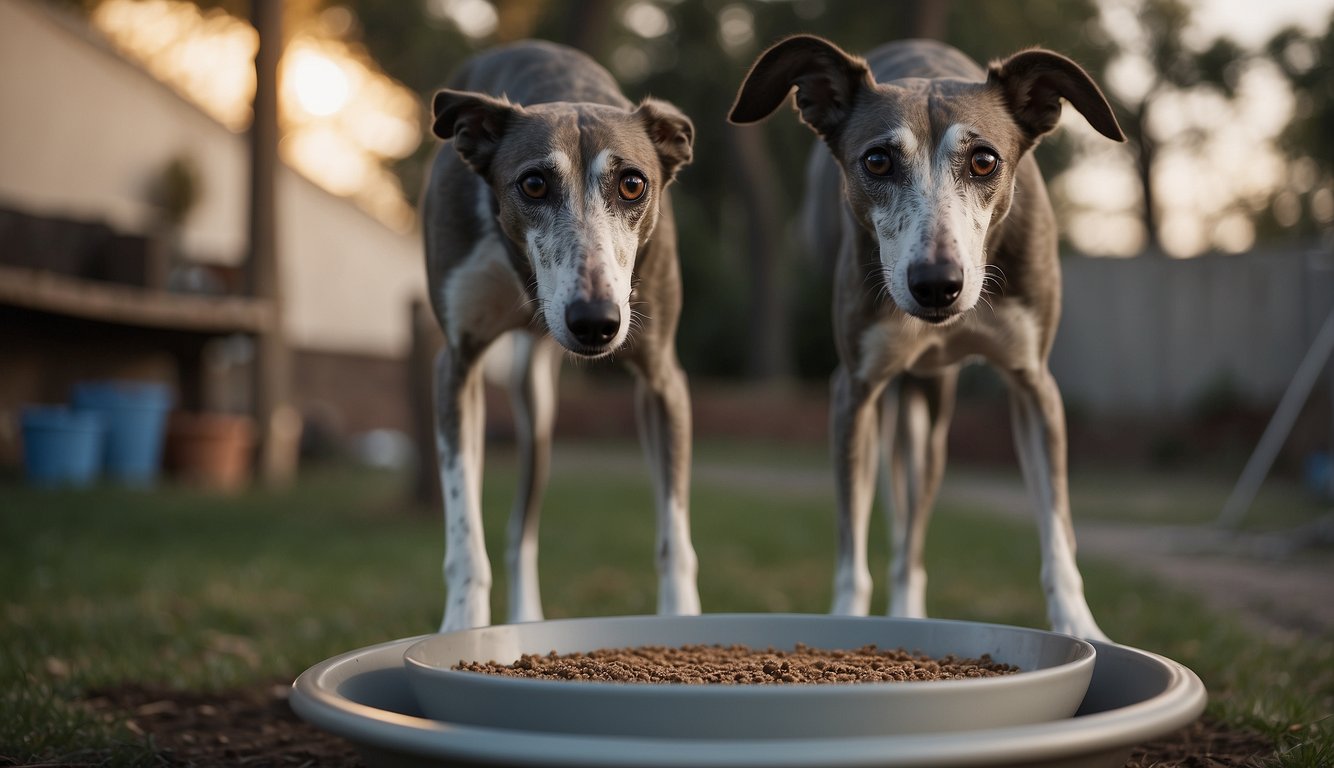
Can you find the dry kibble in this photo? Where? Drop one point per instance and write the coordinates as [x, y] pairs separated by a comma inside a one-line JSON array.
[[741, 665]]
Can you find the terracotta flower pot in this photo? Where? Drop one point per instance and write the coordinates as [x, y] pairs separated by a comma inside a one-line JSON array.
[[211, 450]]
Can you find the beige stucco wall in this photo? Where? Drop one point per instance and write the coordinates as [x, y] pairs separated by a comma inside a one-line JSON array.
[[83, 132]]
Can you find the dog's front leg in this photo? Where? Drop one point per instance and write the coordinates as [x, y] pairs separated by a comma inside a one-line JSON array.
[[460, 418], [1039, 435], [533, 398], [662, 407], [916, 427], [853, 422]]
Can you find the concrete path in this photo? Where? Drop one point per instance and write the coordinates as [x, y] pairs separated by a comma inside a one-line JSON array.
[[1277, 583]]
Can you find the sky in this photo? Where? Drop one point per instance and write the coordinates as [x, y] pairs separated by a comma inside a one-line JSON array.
[[1251, 22]]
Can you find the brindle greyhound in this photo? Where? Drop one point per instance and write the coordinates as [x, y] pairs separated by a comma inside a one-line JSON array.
[[550, 215], [930, 197]]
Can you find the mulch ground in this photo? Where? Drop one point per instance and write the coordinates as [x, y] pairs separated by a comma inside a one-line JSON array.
[[247, 727], [1206, 743], [256, 727]]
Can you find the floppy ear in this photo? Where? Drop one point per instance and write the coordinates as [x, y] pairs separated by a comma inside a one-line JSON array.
[[827, 82], [671, 131], [1033, 83], [474, 121]]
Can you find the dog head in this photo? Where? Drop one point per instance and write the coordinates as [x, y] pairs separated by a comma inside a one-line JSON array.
[[928, 164], [578, 188]]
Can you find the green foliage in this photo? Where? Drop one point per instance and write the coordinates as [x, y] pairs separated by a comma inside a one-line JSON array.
[[1218, 397], [1306, 60], [40, 722], [177, 189], [812, 324]]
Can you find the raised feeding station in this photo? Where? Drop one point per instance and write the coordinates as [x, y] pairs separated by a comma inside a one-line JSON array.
[[386, 700]]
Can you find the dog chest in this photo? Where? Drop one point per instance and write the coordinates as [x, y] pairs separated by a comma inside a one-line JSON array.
[[483, 295], [1007, 336]]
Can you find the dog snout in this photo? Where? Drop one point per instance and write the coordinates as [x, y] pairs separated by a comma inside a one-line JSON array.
[[593, 323], [935, 285]]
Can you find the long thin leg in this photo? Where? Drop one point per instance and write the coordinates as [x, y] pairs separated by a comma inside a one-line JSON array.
[[662, 403], [917, 418], [533, 378], [853, 417], [460, 418], [1039, 437]]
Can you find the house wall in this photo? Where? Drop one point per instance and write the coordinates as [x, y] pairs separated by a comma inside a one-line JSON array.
[[85, 132]]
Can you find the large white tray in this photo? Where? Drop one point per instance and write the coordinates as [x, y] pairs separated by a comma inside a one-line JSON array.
[[364, 696]]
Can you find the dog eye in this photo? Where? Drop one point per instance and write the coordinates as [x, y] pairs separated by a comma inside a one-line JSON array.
[[534, 186], [632, 187], [983, 163], [877, 162]]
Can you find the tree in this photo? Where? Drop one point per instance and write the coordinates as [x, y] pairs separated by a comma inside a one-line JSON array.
[[1306, 62], [1167, 66]]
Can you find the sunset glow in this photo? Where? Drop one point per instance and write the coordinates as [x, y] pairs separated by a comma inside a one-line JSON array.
[[342, 118], [318, 84]]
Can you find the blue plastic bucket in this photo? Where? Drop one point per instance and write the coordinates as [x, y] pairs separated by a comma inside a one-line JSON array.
[[1318, 471], [60, 446], [135, 416]]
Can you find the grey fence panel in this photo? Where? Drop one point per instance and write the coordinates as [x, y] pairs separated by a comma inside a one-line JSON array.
[[1160, 336]]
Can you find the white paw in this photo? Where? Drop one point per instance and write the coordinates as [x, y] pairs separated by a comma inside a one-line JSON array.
[[908, 603], [850, 605], [470, 609], [1080, 624], [852, 594], [678, 598], [901, 610], [525, 612]]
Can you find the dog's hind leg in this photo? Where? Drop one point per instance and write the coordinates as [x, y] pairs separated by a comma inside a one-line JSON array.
[[460, 419], [662, 407], [916, 427], [533, 376], [854, 416], [1039, 436]]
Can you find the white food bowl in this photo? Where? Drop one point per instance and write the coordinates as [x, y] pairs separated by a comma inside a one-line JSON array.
[[1053, 678]]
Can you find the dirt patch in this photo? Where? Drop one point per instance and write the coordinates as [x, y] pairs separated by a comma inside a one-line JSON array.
[[256, 727], [251, 727], [1205, 743]]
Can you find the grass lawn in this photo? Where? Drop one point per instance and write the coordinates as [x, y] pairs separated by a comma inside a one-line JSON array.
[[191, 590]]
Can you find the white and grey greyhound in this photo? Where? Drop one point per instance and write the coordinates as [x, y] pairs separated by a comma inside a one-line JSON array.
[[548, 213], [947, 250]]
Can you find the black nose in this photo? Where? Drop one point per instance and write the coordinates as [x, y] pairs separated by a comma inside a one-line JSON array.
[[593, 323], [935, 286]]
